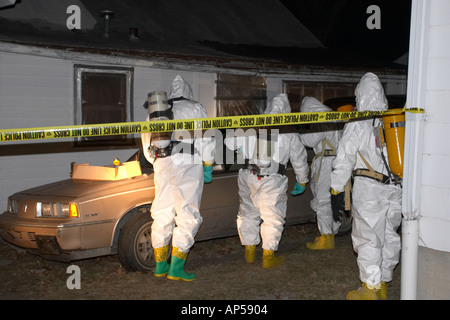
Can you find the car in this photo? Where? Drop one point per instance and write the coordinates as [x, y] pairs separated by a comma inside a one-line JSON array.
[[113, 217]]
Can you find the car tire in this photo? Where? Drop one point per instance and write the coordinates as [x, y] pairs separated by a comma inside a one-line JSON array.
[[135, 247]]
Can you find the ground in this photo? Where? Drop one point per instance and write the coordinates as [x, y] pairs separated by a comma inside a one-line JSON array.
[[219, 265]]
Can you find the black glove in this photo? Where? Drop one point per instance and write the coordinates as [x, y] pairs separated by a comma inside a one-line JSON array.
[[338, 206]]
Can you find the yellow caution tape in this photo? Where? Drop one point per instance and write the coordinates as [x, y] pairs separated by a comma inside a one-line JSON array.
[[414, 110], [109, 129]]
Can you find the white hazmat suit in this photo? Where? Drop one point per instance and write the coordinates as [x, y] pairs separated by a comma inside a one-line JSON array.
[[324, 140], [376, 206], [263, 198], [179, 178]]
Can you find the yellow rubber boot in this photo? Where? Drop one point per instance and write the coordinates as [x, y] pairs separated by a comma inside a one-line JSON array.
[[161, 257], [269, 259], [363, 293], [324, 242], [250, 254], [382, 293]]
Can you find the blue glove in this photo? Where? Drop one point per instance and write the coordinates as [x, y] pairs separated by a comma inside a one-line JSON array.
[[298, 189], [207, 174]]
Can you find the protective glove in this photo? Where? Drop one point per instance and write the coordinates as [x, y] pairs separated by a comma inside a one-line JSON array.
[[207, 174], [299, 188], [337, 205]]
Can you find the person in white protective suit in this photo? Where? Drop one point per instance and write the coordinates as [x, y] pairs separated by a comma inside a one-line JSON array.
[[179, 180], [376, 206], [262, 188], [324, 139]]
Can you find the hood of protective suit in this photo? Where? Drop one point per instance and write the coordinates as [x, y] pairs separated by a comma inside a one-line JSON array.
[[180, 88], [311, 104], [279, 104], [370, 94]]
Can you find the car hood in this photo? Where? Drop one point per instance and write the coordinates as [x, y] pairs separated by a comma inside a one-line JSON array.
[[71, 188]]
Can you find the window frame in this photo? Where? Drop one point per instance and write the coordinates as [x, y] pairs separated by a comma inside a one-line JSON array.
[[318, 85], [79, 69], [239, 84]]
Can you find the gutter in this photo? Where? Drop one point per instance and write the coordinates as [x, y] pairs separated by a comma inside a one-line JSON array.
[[198, 63], [412, 171]]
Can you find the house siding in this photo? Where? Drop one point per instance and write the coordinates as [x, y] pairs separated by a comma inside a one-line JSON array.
[[430, 88], [435, 195], [35, 91]]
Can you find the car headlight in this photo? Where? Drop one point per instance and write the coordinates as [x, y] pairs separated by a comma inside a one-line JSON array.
[[56, 210]]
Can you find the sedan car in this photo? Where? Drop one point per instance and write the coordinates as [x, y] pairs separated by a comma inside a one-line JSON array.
[[78, 219]]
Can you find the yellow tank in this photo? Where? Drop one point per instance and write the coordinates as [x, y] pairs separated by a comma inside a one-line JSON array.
[[346, 107], [394, 131], [157, 104]]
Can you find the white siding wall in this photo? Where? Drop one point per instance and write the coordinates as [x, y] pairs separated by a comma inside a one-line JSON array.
[[435, 188], [34, 91]]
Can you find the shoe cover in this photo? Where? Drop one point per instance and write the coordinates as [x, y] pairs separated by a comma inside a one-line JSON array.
[[324, 242], [363, 293], [269, 259], [250, 254]]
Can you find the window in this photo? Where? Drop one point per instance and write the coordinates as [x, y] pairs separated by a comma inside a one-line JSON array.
[[240, 95], [103, 95], [322, 91]]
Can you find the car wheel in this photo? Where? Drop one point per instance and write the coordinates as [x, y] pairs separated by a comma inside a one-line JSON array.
[[135, 245]]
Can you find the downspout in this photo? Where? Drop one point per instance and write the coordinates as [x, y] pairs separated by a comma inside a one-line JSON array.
[[412, 171]]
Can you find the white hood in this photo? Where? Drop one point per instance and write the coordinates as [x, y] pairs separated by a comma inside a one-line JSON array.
[[180, 88], [311, 104], [370, 94], [279, 104]]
